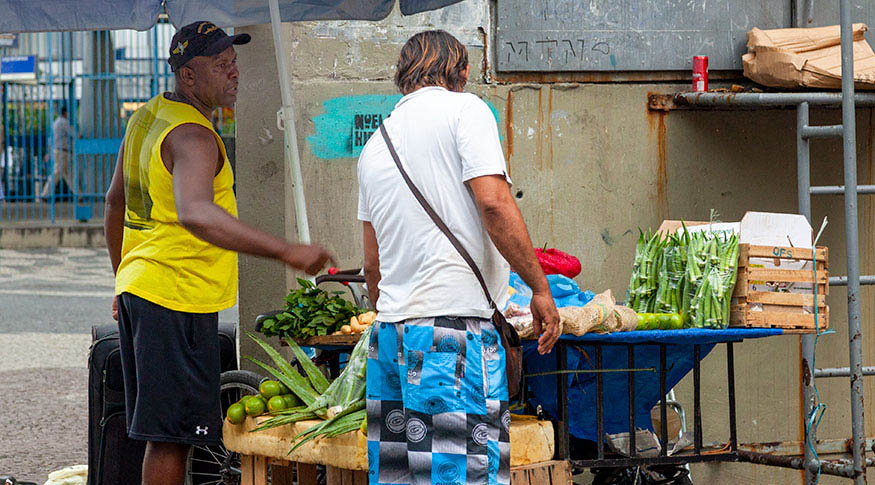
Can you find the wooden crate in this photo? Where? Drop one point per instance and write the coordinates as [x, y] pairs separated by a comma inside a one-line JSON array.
[[780, 310], [555, 472], [254, 471]]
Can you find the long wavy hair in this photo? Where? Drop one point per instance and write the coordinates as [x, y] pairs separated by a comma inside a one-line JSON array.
[[431, 58]]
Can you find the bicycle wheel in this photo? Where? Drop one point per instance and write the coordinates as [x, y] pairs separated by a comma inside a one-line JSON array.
[[214, 464]]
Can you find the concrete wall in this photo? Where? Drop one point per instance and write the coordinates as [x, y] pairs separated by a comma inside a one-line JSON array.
[[591, 165]]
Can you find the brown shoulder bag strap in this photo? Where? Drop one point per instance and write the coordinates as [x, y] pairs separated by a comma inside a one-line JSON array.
[[437, 219]]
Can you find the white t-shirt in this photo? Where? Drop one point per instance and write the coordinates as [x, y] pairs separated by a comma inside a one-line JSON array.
[[443, 139]]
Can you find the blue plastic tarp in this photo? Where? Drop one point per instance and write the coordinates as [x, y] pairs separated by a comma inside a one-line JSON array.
[[582, 387], [72, 15]]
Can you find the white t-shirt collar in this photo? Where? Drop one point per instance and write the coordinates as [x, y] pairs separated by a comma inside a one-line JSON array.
[[418, 92]]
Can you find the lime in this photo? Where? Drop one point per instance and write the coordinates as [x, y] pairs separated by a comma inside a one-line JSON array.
[[283, 388], [291, 400], [245, 398], [650, 321], [269, 389], [664, 320], [276, 403], [254, 406], [642, 322], [676, 322], [236, 413]]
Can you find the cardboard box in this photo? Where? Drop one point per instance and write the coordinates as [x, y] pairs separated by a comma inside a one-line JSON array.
[[811, 58]]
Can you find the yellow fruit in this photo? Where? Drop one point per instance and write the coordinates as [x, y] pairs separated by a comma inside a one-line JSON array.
[[346, 329], [236, 413]]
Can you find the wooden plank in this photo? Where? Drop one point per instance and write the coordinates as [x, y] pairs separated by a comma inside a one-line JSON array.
[[260, 471], [247, 470], [554, 472], [741, 285], [786, 320], [786, 299], [350, 340], [307, 474], [359, 477], [540, 474], [333, 475], [781, 252], [785, 275], [282, 472], [560, 473], [518, 477]]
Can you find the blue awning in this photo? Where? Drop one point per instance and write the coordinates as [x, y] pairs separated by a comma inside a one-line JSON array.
[[71, 15]]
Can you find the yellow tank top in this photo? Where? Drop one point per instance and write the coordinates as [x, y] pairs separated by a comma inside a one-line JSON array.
[[161, 260]]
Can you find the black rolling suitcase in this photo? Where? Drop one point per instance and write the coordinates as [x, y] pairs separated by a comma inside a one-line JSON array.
[[113, 458]]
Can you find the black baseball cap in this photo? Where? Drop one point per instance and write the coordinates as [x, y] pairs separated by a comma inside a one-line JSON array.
[[200, 39]]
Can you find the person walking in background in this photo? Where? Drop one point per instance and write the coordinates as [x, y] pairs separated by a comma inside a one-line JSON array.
[[437, 395], [62, 152]]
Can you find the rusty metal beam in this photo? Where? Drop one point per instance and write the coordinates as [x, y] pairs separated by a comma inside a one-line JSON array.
[[840, 469], [787, 448], [711, 100]]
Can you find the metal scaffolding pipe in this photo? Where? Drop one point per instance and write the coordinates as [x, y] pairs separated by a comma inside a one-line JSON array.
[[841, 372], [803, 174], [855, 337], [797, 463], [828, 131], [770, 99], [840, 189], [843, 280]]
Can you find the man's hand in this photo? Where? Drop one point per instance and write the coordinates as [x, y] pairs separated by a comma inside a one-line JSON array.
[[308, 258], [545, 319], [115, 308]]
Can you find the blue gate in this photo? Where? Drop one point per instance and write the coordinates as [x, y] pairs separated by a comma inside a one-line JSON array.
[[66, 98]]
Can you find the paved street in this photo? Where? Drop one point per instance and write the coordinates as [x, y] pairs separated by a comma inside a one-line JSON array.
[[49, 299]]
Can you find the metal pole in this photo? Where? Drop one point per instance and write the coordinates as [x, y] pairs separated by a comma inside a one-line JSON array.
[[803, 174], [769, 99], [630, 376], [663, 418], [850, 159], [599, 405], [155, 66], [841, 372], [563, 444], [286, 122], [730, 376]]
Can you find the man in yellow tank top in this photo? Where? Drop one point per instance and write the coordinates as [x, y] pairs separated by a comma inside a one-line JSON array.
[[173, 236]]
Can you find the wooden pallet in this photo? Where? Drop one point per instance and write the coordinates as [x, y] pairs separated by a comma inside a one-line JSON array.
[[780, 310]]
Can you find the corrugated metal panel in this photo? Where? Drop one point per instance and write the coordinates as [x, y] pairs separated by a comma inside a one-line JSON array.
[[629, 35], [827, 13]]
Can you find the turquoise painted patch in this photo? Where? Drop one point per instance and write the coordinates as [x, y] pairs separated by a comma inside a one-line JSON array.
[[347, 122]]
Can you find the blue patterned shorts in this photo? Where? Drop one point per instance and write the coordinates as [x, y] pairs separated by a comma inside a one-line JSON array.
[[437, 403]]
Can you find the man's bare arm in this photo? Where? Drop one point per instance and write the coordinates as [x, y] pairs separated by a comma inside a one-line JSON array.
[[372, 262], [192, 154], [114, 211], [506, 228]]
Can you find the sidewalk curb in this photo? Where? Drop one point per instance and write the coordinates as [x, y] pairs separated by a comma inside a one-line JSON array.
[[71, 235]]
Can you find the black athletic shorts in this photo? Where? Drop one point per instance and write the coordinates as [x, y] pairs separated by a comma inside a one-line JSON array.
[[171, 366]]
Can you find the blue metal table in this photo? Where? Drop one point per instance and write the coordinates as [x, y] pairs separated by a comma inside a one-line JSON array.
[[635, 369]]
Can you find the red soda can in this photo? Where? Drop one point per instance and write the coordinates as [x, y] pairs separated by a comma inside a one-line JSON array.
[[700, 73]]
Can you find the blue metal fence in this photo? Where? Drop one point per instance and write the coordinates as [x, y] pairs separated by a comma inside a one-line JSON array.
[[100, 78]]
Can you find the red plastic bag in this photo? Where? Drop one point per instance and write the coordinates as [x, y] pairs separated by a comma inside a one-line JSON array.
[[554, 261]]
